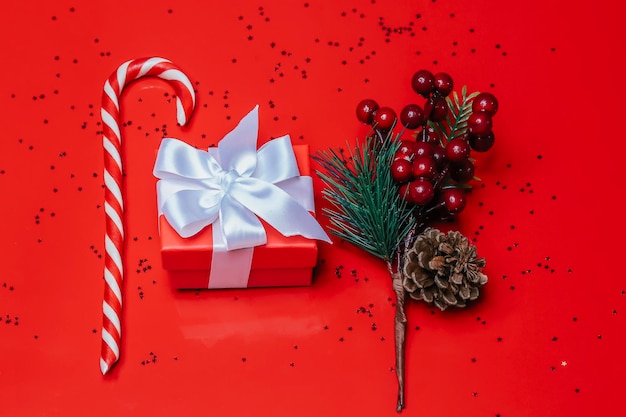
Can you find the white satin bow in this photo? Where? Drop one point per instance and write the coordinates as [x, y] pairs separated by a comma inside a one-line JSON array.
[[229, 186]]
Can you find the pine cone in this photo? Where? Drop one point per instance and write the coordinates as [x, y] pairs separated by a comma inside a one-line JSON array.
[[443, 269]]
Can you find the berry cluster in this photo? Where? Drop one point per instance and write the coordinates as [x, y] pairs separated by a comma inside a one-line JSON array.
[[433, 168]]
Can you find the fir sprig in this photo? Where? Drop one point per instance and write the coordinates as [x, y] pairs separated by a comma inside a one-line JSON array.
[[455, 123], [366, 208]]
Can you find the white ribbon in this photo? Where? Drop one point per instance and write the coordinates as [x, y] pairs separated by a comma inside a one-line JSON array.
[[231, 187]]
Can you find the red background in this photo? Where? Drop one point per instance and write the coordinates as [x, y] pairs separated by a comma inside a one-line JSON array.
[[547, 337]]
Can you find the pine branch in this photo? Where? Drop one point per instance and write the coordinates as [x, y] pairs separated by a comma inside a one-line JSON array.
[[455, 123], [366, 208]]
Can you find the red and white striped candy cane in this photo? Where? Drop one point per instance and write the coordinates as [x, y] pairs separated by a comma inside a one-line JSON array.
[[113, 196]]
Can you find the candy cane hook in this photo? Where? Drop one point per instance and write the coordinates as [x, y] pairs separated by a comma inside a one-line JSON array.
[[113, 196]]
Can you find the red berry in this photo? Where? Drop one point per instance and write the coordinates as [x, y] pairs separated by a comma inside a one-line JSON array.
[[401, 170], [412, 116], [482, 143], [462, 171], [443, 84], [406, 150], [454, 200], [439, 156], [423, 149], [406, 157], [421, 191], [479, 123], [485, 102], [384, 118], [436, 108], [457, 150], [423, 82], [425, 167], [365, 110]]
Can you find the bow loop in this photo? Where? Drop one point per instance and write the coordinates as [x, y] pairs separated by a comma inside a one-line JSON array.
[[276, 161], [177, 159], [238, 148], [190, 211]]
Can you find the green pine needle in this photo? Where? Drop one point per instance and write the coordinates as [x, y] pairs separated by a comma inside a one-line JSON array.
[[456, 121], [366, 208]]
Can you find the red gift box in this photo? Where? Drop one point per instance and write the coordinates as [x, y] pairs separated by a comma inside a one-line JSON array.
[[282, 261]]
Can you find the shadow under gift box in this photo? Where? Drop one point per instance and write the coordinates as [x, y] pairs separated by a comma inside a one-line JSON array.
[[281, 262]]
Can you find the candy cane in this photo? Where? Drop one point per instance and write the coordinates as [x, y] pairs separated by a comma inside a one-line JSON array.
[[114, 202]]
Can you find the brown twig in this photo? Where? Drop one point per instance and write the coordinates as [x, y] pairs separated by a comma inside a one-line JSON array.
[[399, 330]]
